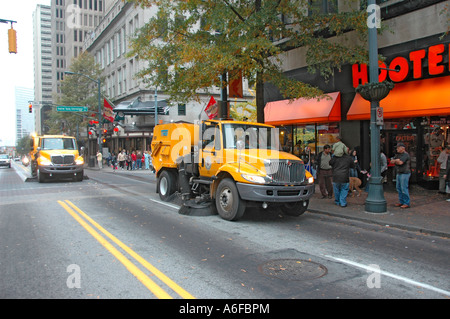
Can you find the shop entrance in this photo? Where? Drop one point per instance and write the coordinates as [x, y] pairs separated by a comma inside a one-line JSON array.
[[425, 139]]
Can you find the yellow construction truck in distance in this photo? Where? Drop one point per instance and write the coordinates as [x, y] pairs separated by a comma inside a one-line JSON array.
[[231, 165], [53, 156]]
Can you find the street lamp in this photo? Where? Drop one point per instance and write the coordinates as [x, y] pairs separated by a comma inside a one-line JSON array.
[[375, 202], [99, 102]]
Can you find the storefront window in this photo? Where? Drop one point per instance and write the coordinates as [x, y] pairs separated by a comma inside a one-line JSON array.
[[436, 134], [424, 138], [305, 141]]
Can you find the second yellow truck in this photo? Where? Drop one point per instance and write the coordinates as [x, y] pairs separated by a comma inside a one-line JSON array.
[[232, 164]]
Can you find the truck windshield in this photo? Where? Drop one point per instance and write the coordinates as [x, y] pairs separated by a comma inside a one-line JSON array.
[[254, 136], [58, 144]]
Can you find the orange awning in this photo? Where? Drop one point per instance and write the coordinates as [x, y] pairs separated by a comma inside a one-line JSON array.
[[304, 111], [430, 97]]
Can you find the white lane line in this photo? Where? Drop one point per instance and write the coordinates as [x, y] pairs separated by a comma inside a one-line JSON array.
[[394, 276]]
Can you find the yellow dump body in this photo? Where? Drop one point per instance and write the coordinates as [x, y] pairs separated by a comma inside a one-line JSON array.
[[169, 142]]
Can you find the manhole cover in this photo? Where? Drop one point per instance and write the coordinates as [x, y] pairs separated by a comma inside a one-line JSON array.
[[292, 269]]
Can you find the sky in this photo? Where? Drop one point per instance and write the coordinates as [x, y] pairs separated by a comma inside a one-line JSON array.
[[15, 69]]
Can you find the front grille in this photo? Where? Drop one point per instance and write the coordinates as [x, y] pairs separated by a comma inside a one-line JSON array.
[[63, 159], [286, 171]]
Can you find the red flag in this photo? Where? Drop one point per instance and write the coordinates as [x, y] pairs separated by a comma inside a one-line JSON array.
[[108, 111], [212, 109]]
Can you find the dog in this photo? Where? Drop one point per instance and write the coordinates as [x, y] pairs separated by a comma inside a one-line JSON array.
[[355, 182]]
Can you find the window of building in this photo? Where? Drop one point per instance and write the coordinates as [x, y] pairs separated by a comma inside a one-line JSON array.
[[119, 72], [322, 6], [112, 49], [181, 109]]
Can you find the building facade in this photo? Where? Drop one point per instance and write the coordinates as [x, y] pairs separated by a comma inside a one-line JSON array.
[[109, 44], [24, 119], [417, 110], [42, 35]]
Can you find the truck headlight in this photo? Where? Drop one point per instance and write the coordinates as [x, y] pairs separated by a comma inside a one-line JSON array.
[[311, 180], [254, 178], [45, 161], [79, 160]]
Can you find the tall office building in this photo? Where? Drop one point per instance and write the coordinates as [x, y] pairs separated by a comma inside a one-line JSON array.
[[24, 119], [42, 31], [72, 20]]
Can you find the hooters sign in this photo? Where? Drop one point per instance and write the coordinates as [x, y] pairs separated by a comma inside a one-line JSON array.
[[411, 66]]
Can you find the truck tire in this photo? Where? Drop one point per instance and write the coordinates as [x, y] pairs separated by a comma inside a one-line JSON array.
[[79, 176], [40, 176], [228, 202], [295, 209], [166, 185], [33, 169]]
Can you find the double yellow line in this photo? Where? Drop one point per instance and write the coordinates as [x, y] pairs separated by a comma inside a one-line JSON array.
[[78, 215]]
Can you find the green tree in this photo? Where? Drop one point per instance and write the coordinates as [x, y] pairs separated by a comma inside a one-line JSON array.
[[76, 90], [23, 145], [244, 111], [189, 43]]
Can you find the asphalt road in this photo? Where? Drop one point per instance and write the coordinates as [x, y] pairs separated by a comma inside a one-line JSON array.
[[110, 236]]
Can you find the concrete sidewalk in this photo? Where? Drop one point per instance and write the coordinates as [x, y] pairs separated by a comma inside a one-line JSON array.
[[429, 212]]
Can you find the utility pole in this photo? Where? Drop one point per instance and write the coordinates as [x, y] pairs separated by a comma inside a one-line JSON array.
[[375, 202]]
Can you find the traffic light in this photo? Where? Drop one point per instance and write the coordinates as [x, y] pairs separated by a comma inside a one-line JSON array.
[[104, 140], [30, 108], [12, 41]]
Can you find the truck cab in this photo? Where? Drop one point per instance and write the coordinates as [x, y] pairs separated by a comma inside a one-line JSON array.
[[53, 156], [233, 164]]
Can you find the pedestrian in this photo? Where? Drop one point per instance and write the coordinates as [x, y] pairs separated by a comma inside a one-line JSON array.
[[402, 160], [442, 159], [341, 177], [108, 159], [128, 159], [384, 166], [339, 148], [447, 177], [121, 158], [133, 160], [324, 173], [100, 160], [138, 160], [354, 172], [113, 161]]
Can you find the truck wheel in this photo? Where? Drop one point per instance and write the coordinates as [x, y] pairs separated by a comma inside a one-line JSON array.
[[166, 185], [295, 209], [79, 176], [33, 169], [228, 203], [40, 176]]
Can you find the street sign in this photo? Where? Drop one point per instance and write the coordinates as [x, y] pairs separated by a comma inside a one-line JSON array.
[[71, 108], [380, 118]]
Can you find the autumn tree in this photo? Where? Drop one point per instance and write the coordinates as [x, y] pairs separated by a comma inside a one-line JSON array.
[[76, 90], [189, 43]]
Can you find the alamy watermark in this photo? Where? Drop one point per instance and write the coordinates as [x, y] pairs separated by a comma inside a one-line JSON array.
[[374, 18], [73, 14], [374, 278], [74, 279]]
